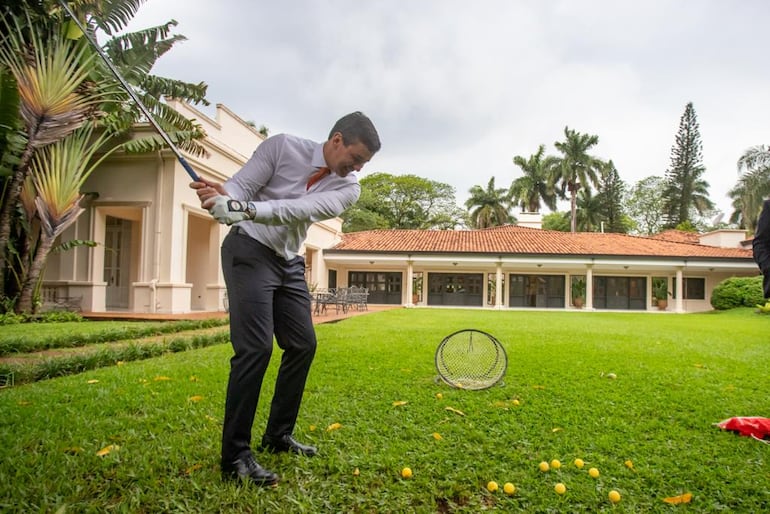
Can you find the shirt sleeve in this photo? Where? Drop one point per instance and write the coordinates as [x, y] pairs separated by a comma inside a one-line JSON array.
[[314, 207], [257, 171]]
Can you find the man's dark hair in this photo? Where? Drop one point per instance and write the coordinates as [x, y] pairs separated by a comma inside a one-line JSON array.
[[356, 127]]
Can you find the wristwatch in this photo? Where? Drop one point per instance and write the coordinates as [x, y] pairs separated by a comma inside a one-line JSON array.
[[244, 207]]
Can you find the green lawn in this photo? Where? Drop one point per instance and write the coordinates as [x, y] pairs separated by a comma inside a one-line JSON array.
[[676, 376]]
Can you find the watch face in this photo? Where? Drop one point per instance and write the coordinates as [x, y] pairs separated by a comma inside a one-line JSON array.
[[235, 205]]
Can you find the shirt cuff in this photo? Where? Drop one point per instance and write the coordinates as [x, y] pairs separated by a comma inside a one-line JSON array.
[[262, 211]]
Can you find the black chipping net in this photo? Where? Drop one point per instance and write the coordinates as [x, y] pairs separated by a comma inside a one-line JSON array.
[[471, 359]]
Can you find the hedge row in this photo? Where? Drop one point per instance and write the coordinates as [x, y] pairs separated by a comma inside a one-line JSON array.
[[85, 360], [27, 344]]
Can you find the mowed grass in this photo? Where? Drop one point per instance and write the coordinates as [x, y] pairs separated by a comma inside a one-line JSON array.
[[676, 375]]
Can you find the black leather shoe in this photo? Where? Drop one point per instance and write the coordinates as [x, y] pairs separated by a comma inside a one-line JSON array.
[[246, 469], [287, 443]]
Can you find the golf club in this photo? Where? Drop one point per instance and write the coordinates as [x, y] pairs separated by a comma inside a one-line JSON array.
[[132, 94]]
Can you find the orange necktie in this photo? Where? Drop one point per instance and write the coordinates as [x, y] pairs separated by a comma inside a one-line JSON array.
[[318, 175]]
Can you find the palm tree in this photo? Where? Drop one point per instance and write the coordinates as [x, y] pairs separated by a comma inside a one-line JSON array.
[[756, 157], [575, 168], [752, 188], [589, 211], [52, 77], [134, 55], [700, 196], [57, 173], [490, 207], [62, 83], [532, 188], [742, 194]]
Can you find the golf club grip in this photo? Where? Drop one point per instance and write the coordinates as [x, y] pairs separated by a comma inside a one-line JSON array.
[[188, 168], [131, 93]]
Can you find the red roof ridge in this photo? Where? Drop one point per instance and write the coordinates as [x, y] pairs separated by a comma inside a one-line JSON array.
[[510, 239]]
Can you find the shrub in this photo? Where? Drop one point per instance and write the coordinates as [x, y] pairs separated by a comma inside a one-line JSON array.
[[59, 317], [738, 292], [11, 318], [179, 345]]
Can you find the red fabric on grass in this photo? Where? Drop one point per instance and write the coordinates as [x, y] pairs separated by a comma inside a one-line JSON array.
[[758, 428]]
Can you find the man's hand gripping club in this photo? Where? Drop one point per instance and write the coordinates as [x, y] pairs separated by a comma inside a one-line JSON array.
[[228, 211], [224, 209]]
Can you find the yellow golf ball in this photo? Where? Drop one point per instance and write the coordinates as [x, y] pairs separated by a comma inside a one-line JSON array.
[[492, 486], [439, 396], [543, 466], [579, 463], [516, 402], [406, 472], [560, 488], [593, 472], [614, 496], [555, 464], [509, 488]]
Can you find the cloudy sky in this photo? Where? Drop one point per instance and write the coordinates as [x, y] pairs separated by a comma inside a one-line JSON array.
[[457, 88]]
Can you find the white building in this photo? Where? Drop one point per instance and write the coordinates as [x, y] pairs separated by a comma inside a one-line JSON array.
[[158, 252]]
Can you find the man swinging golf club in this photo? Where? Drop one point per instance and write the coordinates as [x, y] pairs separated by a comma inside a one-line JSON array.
[[761, 246], [287, 184]]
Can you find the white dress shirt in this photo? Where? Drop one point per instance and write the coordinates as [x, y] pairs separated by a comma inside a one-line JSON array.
[[275, 177]]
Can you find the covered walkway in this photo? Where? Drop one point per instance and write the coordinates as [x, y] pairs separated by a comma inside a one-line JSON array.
[[326, 317]]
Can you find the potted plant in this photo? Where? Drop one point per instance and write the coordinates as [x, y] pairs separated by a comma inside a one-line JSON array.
[[491, 290], [660, 293], [578, 292], [416, 288]]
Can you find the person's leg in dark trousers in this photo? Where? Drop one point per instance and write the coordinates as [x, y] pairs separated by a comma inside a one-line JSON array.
[[252, 275], [296, 337]]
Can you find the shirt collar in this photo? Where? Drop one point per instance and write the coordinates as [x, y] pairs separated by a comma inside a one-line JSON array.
[[318, 161]]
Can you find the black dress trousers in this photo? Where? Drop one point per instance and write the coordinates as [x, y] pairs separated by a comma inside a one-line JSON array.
[[267, 295]]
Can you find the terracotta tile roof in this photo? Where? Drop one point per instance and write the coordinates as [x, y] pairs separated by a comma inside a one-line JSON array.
[[677, 236], [512, 239]]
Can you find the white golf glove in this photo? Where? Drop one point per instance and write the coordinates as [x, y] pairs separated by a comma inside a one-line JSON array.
[[228, 211]]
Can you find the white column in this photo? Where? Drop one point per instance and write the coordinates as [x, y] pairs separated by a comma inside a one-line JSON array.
[[409, 280], [679, 305], [589, 287], [499, 286]]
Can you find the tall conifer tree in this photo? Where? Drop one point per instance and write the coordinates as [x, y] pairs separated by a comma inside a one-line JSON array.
[[612, 190], [685, 190]]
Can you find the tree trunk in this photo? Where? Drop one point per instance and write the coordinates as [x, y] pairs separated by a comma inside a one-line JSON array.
[[25, 303], [573, 205], [50, 229]]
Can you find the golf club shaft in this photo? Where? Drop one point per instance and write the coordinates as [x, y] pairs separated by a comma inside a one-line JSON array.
[[132, 94]]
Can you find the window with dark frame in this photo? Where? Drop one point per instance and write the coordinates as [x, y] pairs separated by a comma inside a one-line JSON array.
[[694, 288]]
